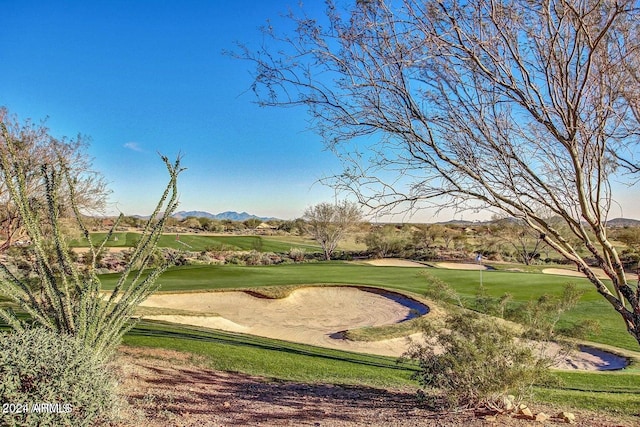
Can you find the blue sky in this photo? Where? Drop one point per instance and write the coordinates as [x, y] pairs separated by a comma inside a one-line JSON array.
[[142, 77]]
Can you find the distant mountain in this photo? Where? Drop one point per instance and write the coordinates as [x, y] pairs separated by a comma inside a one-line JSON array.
[[463, 223], [617, 222], [231, 215], [197, 214], [623, 222]]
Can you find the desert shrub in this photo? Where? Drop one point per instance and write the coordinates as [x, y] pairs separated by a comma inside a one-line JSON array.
[[38, 367], [235, 260], [582, 329], [175, 257], [204, 258], [473, 362], [270, 258], [253, 258], [296, 254], [67, 297], [542, 315], [439, 290]]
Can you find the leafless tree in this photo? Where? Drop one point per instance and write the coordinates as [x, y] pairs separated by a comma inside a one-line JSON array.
[[35, 148], [526, 242], [525, 108], [329, 223]]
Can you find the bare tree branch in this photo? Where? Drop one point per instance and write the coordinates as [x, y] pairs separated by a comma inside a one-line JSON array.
[[528, 108]]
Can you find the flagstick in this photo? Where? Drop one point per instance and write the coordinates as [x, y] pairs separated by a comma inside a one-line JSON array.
[[479, 261]]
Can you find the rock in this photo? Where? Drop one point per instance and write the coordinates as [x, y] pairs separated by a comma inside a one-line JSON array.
[[226, 404], [567, 417], [525, 411], [508, 403], [541, 417]]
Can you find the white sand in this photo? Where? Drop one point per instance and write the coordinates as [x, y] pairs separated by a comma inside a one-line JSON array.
[[312, 315], [394, 262], [588, 359], [460, 266], [574, 273], [308, 315]]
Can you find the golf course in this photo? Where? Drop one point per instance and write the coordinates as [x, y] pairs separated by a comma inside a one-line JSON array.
[[345, 323]]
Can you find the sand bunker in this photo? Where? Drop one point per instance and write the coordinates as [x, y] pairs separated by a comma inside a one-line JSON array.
[[460, 266], [394, 262], [317, 315], [308, 315], [574, 273]]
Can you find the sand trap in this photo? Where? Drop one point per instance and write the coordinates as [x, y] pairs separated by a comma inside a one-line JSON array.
[[394, 262], [574, 273], [585, 358], [316, 316], [309, 315], [594, 358], [460, 266]]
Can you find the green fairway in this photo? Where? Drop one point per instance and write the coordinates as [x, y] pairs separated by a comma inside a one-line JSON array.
[[615, 392], [196, 242]]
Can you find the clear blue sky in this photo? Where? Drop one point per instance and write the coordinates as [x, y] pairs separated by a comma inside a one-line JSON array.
[[142, 77]]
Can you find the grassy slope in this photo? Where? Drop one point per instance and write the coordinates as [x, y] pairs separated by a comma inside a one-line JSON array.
[[273, 358]]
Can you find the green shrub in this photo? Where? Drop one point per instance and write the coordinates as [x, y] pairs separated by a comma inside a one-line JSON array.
[[474, 362], [39, 367], [439, 290], [542, 315]]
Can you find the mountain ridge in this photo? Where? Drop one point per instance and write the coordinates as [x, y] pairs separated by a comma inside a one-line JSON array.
[[230, 215]]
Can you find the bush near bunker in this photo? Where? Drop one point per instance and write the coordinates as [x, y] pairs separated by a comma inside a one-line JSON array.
[[38, 366], [479, 365]]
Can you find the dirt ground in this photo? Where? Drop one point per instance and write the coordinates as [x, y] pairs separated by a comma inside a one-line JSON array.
[[168, 388]]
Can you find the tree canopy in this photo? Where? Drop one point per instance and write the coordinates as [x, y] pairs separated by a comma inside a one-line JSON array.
[[328, 223], [33, 148]]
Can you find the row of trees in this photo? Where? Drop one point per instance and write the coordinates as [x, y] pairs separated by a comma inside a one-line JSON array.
[[210, 225], [502, 239]]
